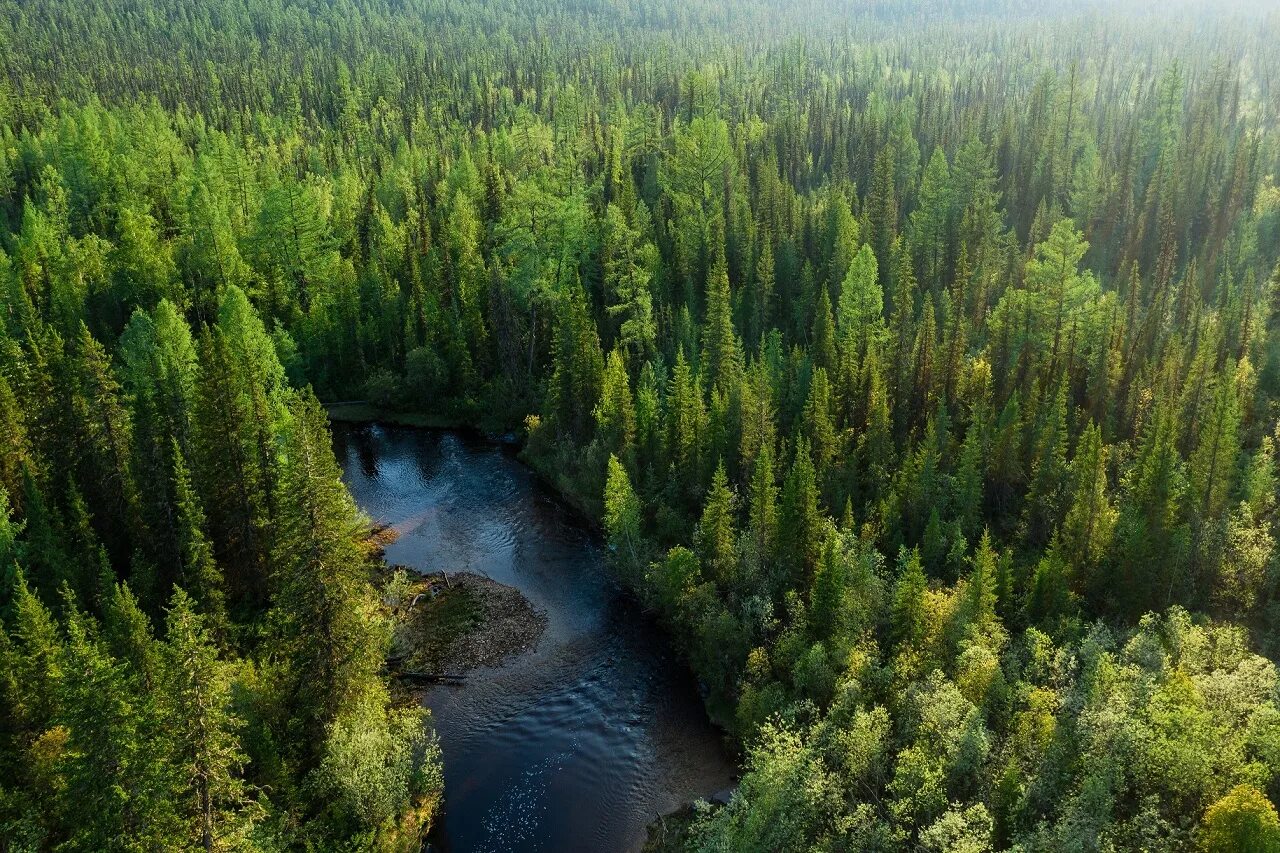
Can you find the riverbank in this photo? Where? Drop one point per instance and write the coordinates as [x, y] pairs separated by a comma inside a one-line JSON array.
[[670, 833]]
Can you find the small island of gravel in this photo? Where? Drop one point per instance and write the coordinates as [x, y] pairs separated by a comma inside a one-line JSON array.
[[448, 624]]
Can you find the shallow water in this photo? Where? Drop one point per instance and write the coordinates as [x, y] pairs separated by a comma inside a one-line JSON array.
[[578, 743]]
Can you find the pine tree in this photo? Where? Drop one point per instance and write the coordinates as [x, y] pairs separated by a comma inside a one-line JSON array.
[[1213, 463], [904, 335], [716, 539], [907, 615], [10, 529], [1004, 464], [198, 716], [1260, 478], [841, 237], [40, 659], [622, 520], [230, 471], [762, 508], [45, 553], [15, 452], [876, 443], [822, 338], [86, 560], [760, 296], [574, 387], [126, 632], [931, 220], [649, 443], [209, 257], [293, 238], [1048, 471], [160, 368], [686, 425], [104, 443], [861, 302], [924, 361], [1059, 291], [322, 604], [1086, 532], [827, 608], [628, 268], [120, 783], [982, 585], [615, 414], [819, 426], [799, 519], [1152, 533], [882, 211], [721, 360], [199, 571], [968, 493]]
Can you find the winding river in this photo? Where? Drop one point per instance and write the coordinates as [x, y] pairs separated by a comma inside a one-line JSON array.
[[577, 744]]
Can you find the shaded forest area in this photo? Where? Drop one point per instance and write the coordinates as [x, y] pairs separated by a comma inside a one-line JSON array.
[[922, 361]]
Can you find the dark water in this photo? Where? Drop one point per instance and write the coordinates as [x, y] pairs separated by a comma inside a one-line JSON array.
[[580, 742]]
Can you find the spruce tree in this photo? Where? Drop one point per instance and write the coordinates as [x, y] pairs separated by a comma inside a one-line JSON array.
[[204, 729], [322, 608], [716, 539]]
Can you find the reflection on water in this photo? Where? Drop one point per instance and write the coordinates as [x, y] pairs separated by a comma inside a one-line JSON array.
[[578, 743]]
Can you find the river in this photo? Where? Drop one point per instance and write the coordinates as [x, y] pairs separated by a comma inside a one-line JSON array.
[[577, 744]]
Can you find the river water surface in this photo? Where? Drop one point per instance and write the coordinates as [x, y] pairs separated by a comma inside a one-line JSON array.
[[576, 744]]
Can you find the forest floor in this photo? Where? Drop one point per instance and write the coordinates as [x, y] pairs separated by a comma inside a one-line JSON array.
[[455, 623]]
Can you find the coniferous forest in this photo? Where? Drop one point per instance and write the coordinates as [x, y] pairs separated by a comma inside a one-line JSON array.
[[919, 358]]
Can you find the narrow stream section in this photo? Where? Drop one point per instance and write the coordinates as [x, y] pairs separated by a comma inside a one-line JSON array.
[[577, 744]]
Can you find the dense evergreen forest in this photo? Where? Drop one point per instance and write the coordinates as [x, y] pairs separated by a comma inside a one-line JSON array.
[[920, 359]]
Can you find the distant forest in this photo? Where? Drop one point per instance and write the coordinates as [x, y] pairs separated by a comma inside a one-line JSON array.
[[921, 361]]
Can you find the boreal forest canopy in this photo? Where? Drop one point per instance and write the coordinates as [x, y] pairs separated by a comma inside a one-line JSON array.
[[920, 360]]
